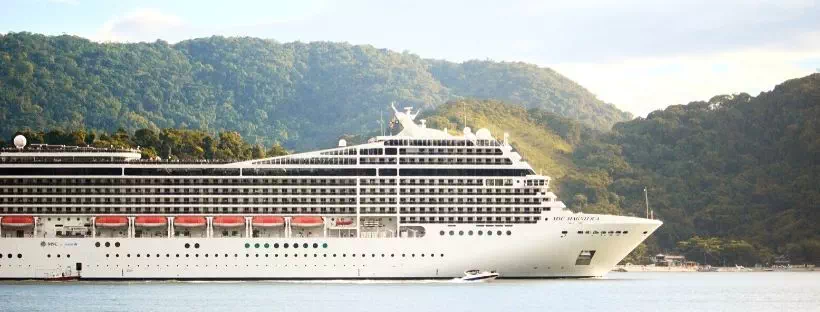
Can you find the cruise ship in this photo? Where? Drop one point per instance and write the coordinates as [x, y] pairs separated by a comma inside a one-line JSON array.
[[422, 204]]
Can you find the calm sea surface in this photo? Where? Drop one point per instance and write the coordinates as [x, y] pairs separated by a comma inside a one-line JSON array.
[[741, 291]]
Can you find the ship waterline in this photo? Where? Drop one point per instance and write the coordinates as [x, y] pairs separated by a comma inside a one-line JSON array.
[[420, 204]]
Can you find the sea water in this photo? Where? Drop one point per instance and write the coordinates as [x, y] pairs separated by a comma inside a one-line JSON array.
[[639, 291]]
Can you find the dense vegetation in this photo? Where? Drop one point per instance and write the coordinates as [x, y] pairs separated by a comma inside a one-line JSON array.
[[302, 95], [735, 179]]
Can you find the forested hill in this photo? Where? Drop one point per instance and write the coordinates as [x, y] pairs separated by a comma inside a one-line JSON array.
[[303, 95], [740, 173]]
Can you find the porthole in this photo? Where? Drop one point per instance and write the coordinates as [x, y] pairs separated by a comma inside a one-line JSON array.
[[19, 256], [107, 256], [128, 256], [256, 245], [285, 245], [267, 245], [432, 255], [196, 245], [68, 256], [315, 245], [187, 255], [441, 255], [489, 233], [403, 255], [107, 244], [187, 245], [441, 233], [392, 255], [452, 233], [148, 255], [275, 245], [334, 255], [498, 233], [48, 256], [167, 255], [509, 233], [305, 245], [324, 245], [247, 245], [460, 233], [117, 244], [480, 233], [470, 233], [97, 244]]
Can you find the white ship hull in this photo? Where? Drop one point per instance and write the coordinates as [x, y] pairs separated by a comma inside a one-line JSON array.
[[538, 250]]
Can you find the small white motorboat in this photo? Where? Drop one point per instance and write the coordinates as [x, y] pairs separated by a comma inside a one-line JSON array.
[[479, 276]]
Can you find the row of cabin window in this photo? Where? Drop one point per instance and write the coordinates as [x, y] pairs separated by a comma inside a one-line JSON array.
[[455, 161], [432, 142], [10, 256], [284, 255], [470, 210], [186, 200], [176, 181], [179, 210], [477, 201], [479, 233], [488, 191], [179, 191], [471, 220], [450, 151]]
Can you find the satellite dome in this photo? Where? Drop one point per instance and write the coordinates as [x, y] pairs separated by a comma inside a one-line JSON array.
[[483, 134], [20, 141], [342, 143], [467, 130]]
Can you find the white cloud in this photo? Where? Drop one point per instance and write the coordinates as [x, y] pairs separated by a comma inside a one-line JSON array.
[[140, 25], [643, 85]]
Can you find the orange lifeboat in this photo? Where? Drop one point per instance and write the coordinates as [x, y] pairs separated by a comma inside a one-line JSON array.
[[150, 221], [17, 221], [306, 221], [229, 221], [110, 221], [189, 221], [344, 222], [268, 221]]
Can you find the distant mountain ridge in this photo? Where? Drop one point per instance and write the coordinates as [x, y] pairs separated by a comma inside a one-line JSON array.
[[303, 95]]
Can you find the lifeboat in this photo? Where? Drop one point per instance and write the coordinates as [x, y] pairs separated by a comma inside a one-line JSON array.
[[344, 222], [17, 221], [268, 221], [306, 221], [189, 221], [150, 221], [110, 221], [229, 221]]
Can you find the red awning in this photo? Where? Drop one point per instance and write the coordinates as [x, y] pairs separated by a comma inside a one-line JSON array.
[[189, 221], [268, 221], [150, 221], [229, 221], [344, 222], [110, 221], [306, 221], [17, 221]]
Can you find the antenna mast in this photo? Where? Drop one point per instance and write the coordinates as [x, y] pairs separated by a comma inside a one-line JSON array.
[[646, 197]]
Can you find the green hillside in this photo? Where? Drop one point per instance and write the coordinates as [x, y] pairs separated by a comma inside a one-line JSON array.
[[303, 95], [735, 178]]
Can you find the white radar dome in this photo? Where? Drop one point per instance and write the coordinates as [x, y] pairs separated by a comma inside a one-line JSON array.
[[467, 130], [483, 134], [342, 143], [20, 141]]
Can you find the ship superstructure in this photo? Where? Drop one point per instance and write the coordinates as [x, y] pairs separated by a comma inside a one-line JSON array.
[[419, 204]]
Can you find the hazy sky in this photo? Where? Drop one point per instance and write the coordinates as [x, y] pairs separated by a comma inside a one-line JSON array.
[[639, 55]]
